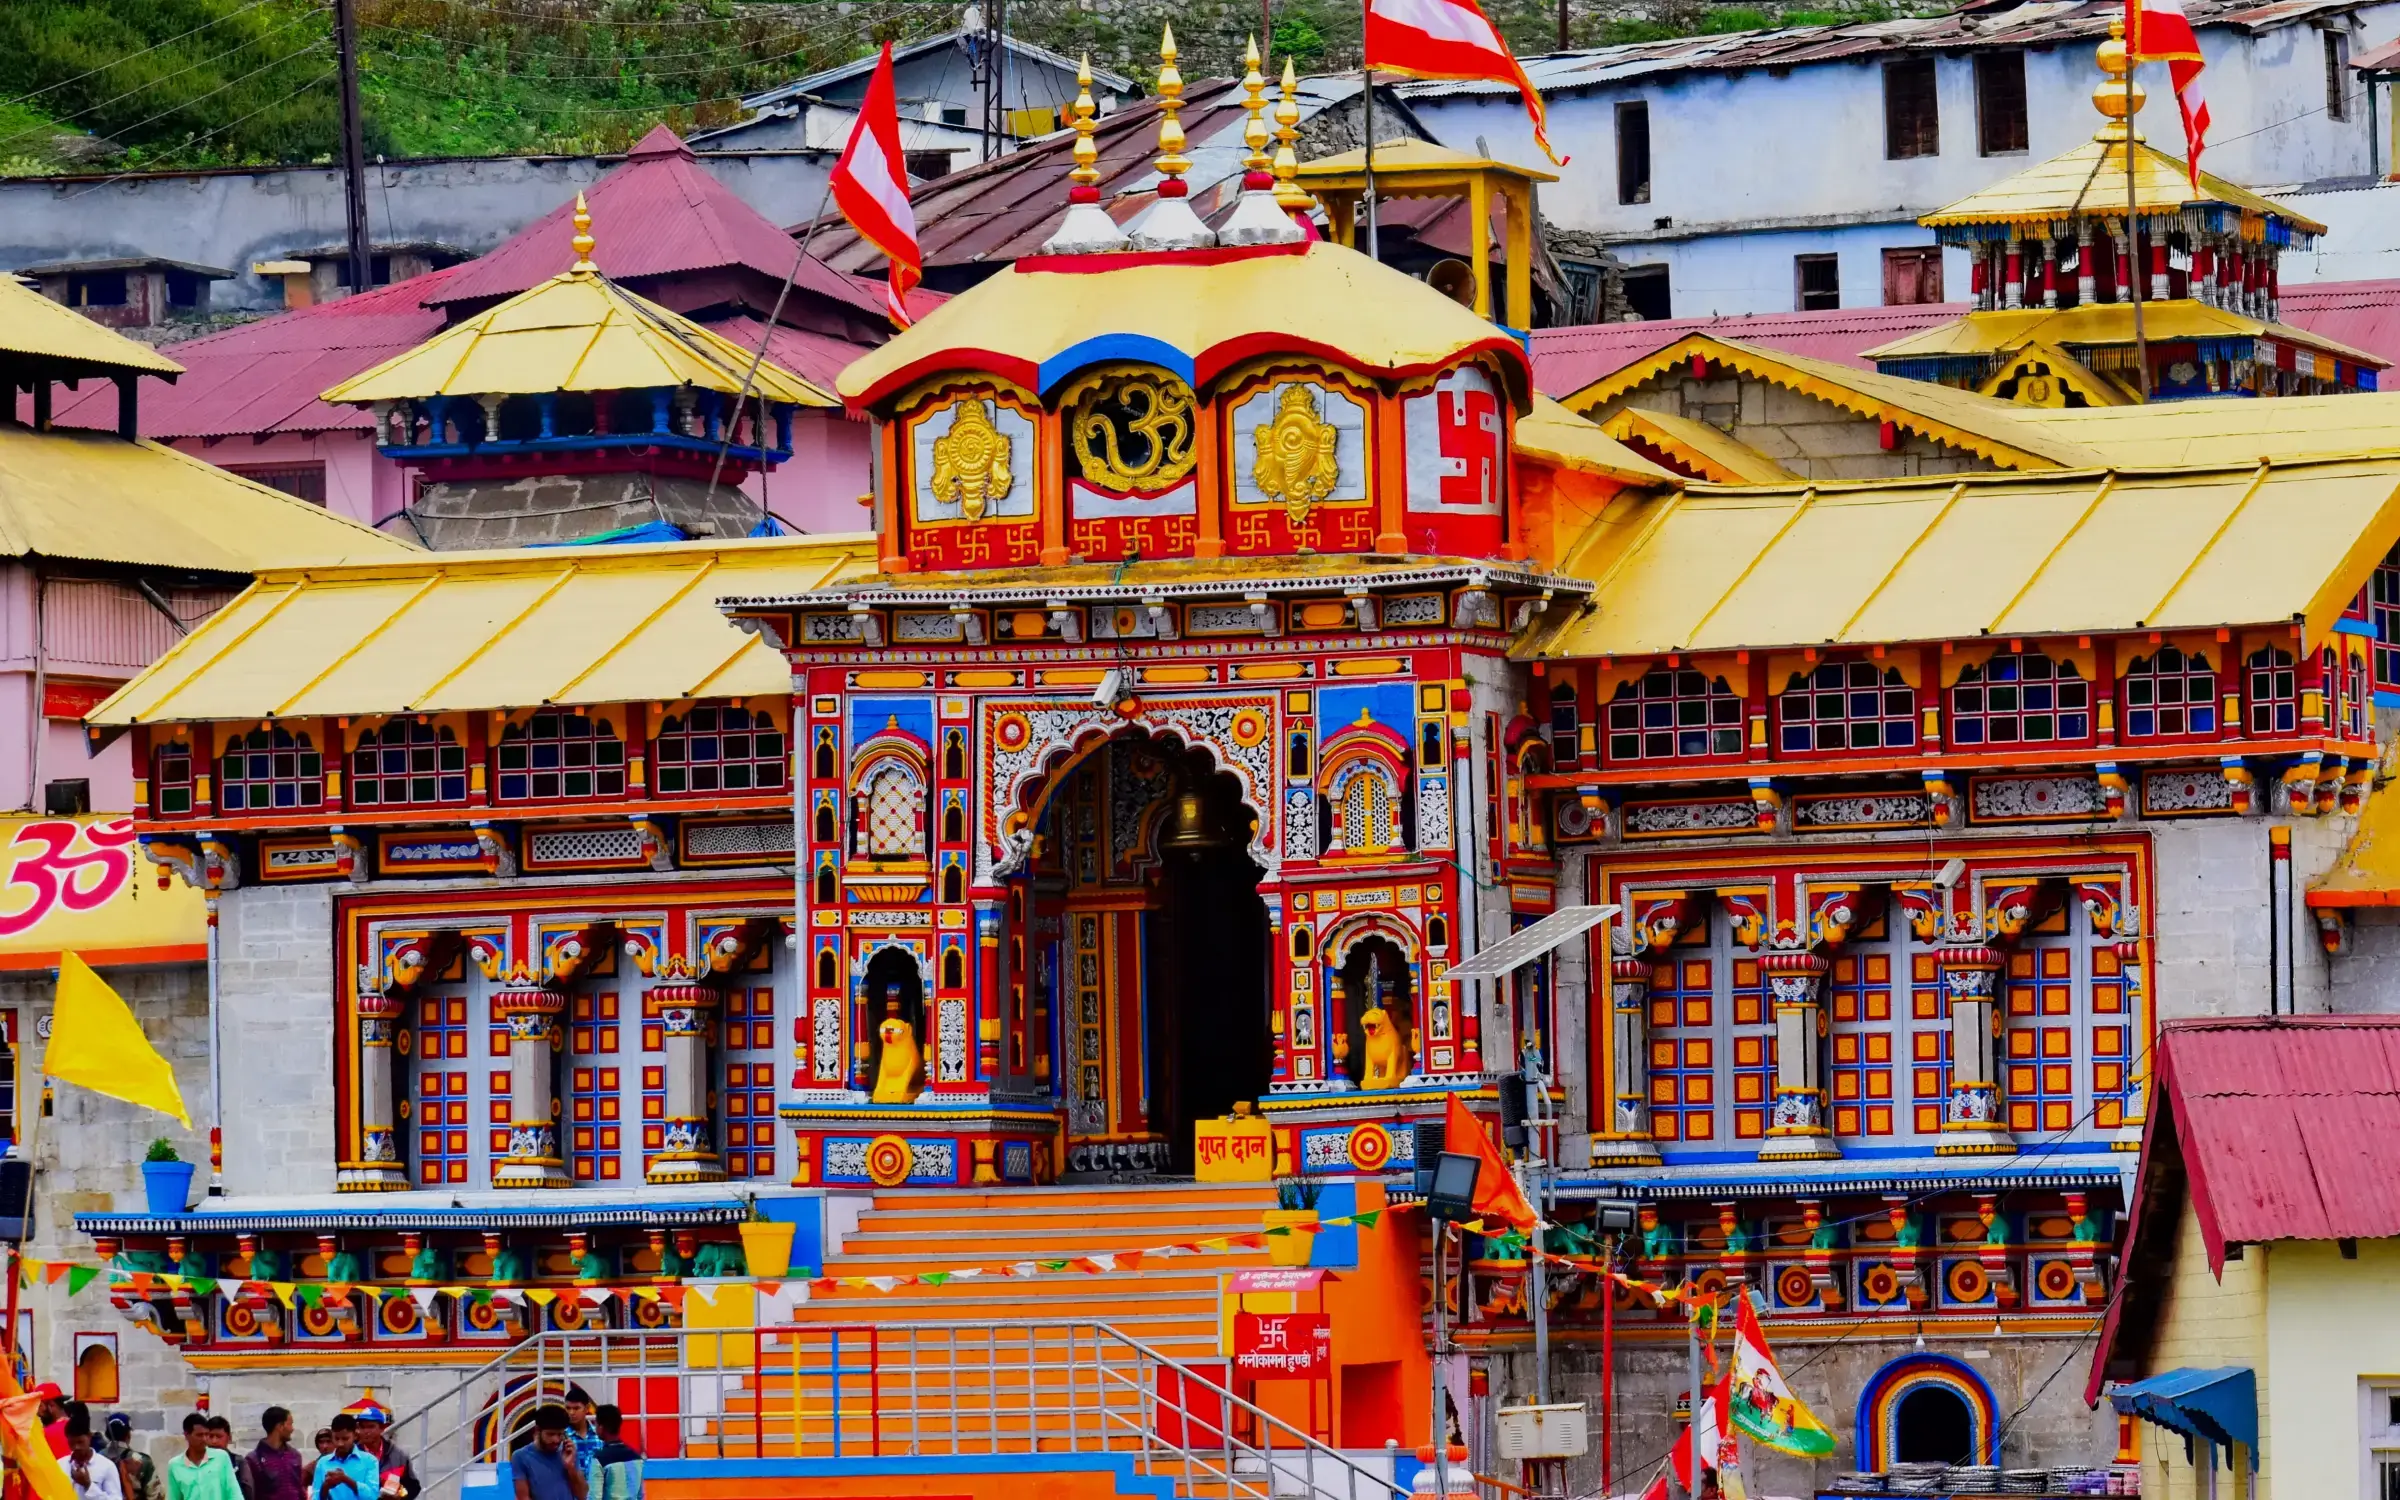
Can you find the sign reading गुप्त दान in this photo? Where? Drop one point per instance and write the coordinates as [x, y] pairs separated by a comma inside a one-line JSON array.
[[81, 885]]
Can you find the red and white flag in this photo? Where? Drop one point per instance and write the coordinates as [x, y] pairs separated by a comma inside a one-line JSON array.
[[870, 187], [2158, 31], [1450, 39], [1712, 1424]]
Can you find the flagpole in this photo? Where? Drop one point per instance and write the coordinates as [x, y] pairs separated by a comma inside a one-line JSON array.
[[1436, 1433], [1691, 1354], [2133, 230], [1374, 247], [757, 358]]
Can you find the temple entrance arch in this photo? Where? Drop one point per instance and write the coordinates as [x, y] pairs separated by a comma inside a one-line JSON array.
[[891, 988], [1375, 973], [1139, 855]]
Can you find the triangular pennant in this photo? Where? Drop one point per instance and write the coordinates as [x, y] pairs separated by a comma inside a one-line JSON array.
[[171, 1283], [1367, 1219], [79, 1277], [542, 1296], [202, 1286], [1022, 1268], [1129, 1260], [310, 1293], [233, 1291], [964, 1273], [769, 1288], [648, 1293], [284, 1291], [142, 1284], [673, 1296], [452, 1292], [55, 1271], [423, 1296], [1053, 1265], [1247, 1241], [823, 1284], [935, 1278], [883, 1283], [1218, 1242], [704, 1292], [1100, 1263]]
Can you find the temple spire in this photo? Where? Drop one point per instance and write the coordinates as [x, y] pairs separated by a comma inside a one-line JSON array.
[[1288, 191], [1087, 229], [1170, 224], [1258, 218], [583, 241], [2117, 101]]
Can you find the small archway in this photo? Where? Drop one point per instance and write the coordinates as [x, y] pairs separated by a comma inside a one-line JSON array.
[[1911, 1410], [1374, 973], [1932, 1425], [894, 986]]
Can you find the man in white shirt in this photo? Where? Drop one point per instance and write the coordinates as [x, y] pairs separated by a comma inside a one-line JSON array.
[[94, 1477]]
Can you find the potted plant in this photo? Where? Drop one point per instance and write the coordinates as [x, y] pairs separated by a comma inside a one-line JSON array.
[[166, 1179], [766, 1245], [1295, 1209]]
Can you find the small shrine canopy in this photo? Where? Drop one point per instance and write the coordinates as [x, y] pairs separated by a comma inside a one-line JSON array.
[[1195, 313], [577, 331], [2098, 324], [49, 340], [2090, 180], [463, 631], [1954, 557], [2170, 433]]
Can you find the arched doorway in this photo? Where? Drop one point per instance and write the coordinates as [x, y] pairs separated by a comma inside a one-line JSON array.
[[1206, 959], [894, 988], [1375, 974], [1933, 1426]]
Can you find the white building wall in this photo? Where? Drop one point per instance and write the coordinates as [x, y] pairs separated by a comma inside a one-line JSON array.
[[1730, 275]]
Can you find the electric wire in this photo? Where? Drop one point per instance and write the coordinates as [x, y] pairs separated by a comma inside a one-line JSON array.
[[118, 62], [50, 126]]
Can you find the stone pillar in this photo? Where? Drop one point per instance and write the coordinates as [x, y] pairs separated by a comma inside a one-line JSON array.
[[1800, 1128], [378, 1167], [689, 1152], [1971, 1121], [1624, 1137], [2085, 292], [531, 1014]]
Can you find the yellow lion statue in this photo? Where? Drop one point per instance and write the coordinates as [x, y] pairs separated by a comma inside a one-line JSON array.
[[1386, 1051], [897, 1076]]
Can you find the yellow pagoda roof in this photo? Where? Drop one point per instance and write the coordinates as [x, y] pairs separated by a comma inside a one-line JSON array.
[[1955, 557], [1555, 435], [1717, 456], [2168, 433], [2090, 179], [1196, 313], [1982, 425], [460, 631], [95, 497], [2368, 873], [578, 331], [32, 327], [1405, 158], [2098, 323]]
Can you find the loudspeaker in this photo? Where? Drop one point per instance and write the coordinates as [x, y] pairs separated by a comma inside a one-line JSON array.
[[1429, 1155], [1512, 1112]]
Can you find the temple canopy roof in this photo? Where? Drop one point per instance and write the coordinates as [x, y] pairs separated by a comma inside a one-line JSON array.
[[1196, 313], [2229, 432], [1962, 556], [460, 631], [63, 344], [577, 331], [2090, 179], [1998, 330]]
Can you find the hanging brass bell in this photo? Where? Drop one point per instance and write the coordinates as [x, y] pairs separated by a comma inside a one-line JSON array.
[[1194, 832]]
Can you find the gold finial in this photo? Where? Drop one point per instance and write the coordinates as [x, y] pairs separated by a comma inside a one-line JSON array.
[[1288, 191], [2117, 100], [1086, 176], [1254, 103], [1172, 163], [583, 236]]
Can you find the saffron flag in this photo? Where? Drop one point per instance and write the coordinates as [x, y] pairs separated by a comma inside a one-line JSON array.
[[1450, 39], [2158, 31], [22, 1439], [1497, 1195], [96, 1042], [1764, 1407], [870, 187]]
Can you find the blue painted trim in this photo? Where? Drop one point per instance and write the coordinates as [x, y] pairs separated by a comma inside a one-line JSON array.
[[1129, 1482], [2387, 697], [1886, 1388], [2347, 626], [1134, 348]]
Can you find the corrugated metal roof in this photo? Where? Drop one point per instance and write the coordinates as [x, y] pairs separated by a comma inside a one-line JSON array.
[[2035, 24], [817, 83], [94, 496], [1958, 556], [488, 630], [35, 330]]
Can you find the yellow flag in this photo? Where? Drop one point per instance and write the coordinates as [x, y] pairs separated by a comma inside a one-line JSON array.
[[96, 1042], [21, 1439]]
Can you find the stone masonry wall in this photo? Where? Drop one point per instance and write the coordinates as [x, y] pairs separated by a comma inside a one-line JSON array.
[[1812, 438], [276, 993]]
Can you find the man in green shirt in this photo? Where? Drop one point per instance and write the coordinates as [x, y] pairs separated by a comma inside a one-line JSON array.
[[200, 1472]]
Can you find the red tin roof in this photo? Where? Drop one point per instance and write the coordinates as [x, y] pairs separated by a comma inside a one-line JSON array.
[[2279, 1128]]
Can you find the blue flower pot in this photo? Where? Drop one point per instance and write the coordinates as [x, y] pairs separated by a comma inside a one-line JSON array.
[[167, 1185]]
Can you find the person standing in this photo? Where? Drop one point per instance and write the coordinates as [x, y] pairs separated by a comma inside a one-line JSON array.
[[201, 1472], [275, 1463], [584, 1433], [53, 1412], [545, 1468], [134, 1466], [348, 1472], [323, 1445], [620, 1461], [220, 1437], [374, 1425], [93, 1474]]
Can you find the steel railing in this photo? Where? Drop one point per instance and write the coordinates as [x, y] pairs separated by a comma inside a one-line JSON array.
[[890, 1390]]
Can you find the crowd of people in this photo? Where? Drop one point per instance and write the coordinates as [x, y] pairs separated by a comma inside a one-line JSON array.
[[575, 1451]]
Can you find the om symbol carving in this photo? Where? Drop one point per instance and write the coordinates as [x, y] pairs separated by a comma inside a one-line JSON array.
[[1134, 432], [971, 461], [1296, 462]]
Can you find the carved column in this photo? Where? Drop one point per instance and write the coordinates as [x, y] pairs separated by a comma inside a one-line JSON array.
[[689, 1152], [1799, 1128], [531, 1014], [989, 1007], [1971, 1122], [1625, 1138], [378, 1167]]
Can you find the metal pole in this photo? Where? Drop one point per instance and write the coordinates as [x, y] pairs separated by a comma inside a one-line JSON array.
[[1608, 1373], [1691, 1425], [216, 1065], [1535, 1171], [354, 149], [1436, 1432], [2133, 232], [1367, 102]]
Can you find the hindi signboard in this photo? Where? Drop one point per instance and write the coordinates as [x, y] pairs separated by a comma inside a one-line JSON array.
[[1233, 1150], [1282, 1346], [76, 884]]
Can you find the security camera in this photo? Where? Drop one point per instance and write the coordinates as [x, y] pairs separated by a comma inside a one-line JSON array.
[[1952, 873], [1111, 689]]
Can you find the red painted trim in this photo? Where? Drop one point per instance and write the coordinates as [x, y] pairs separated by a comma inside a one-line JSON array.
[[1695, 770], [1024, 372], [1118, 260], [102, 958]]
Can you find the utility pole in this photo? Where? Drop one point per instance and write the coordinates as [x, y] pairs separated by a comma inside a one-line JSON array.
[[354, 149], [1562, 26]]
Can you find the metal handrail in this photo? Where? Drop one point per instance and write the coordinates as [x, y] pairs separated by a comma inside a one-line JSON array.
[[893, 1389]]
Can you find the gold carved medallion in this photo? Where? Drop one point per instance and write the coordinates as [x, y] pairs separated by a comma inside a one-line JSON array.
[[971, 461], [1296, 462], [1134, 432]]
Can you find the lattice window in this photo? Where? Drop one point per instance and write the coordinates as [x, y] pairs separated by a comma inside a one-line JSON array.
[[2113, 1090], [2274, 700], [2042, 1023], [1712, 1048], [2169, 692], [2345, 693], [595, 1090], [559, 755], [1674, 714], [1859, 994], [1370, 812], [718, 747], [2383, 608], [1928, 1045], [1847, 706], [270, 769], [895, 813], [748, 1094], [407, 763], [443, 1123], [1565, 728], [171, 781], [2020, 698]]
